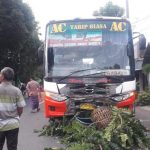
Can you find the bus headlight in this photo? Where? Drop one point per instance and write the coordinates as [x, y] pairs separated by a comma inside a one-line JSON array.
[[121, 97], [55, 96]]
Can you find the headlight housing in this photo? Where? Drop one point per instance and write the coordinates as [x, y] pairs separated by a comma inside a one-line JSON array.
[[121, 97], [56, 96]]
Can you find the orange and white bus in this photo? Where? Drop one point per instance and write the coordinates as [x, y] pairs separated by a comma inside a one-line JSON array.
[[88, 62]]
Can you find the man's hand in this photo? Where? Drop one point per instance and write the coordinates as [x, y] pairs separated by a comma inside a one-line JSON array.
[[20, 110]]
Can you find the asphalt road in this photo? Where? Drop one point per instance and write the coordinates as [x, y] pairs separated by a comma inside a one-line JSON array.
[[28, 139], [143, 114]]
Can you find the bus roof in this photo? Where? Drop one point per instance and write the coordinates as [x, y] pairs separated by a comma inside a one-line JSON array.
[[90, 19]]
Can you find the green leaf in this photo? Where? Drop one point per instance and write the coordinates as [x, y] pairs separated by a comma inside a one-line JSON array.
[[124, 138]]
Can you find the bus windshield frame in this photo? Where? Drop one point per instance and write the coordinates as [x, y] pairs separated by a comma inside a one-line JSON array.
[[96, 44]]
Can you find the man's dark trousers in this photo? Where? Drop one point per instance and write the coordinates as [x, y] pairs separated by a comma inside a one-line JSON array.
[[12, 139]]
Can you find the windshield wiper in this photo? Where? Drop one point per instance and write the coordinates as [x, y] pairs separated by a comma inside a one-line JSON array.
[[100, 72], [110, 77], [77, 71]]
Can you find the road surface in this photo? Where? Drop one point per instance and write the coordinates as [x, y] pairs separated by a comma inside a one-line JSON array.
[[143, 114], [28, 139]]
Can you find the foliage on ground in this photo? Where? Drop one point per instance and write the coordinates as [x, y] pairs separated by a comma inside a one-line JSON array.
[[124, 132], [143, 98]]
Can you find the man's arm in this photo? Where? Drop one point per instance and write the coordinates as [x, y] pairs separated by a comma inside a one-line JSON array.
[[20, 102]]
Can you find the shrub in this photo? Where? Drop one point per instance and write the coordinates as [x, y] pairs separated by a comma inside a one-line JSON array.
[[124, 132], [143, 98]]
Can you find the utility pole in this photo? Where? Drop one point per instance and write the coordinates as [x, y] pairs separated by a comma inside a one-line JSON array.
[[127, 9]]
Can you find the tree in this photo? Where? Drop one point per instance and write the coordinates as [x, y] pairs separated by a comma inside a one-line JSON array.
[[110, 10], [18, 37]]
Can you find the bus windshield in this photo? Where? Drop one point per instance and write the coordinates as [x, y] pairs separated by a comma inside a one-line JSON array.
[[85, 44]]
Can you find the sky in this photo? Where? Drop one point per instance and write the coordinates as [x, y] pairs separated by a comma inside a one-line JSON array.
[[47, 10]]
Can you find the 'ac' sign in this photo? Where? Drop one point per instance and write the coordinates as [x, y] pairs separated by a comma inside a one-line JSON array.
[[58, 28], [118, 26]]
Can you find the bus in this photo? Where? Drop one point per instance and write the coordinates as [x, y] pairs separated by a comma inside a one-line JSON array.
[[88, 63]]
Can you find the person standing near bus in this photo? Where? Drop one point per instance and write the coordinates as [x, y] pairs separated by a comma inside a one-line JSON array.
[[11, 108], [33, 90]]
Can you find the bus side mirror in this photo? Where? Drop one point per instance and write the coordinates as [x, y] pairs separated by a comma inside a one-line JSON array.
[[40, 54], [142, 42]]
